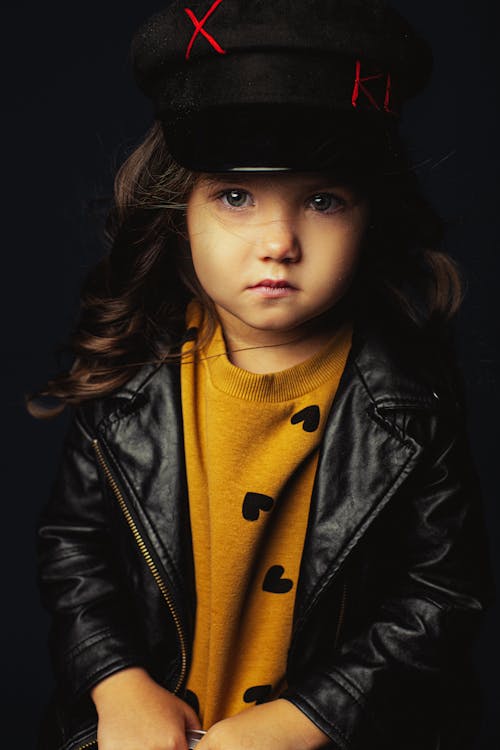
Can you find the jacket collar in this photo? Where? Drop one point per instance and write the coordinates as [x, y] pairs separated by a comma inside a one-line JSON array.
[[364, 459], [143, 437]]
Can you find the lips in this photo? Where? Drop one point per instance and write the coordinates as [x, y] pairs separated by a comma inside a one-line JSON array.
[[273, 289], [273, 284]]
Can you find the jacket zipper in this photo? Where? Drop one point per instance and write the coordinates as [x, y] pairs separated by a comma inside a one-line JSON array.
[[87, 744], [149, 562]]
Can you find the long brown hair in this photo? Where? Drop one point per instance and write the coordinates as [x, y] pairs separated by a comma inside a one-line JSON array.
[[133, 301]]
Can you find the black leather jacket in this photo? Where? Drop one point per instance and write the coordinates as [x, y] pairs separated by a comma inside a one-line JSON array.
[[394, 575]]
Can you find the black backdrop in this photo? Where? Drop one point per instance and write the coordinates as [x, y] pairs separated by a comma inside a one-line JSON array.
[[71, 112]]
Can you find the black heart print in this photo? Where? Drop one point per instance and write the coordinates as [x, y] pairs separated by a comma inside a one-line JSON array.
[[274, 583], [253, 503], [309, 418], [258, 694]]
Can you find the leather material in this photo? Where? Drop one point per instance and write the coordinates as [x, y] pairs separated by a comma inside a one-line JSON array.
[[394, 575]]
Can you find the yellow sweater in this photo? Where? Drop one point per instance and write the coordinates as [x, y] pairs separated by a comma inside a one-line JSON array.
[[251, 443]]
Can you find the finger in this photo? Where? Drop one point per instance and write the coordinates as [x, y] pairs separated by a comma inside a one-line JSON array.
[[203, 744], [191, 718]]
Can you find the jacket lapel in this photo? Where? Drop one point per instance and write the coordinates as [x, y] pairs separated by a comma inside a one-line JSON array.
[[362, 463], [144, 440]]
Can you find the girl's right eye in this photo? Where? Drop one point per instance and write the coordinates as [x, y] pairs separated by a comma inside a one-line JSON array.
[[236, 198]]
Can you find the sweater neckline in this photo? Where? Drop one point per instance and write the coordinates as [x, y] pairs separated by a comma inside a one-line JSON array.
[[284, 385]]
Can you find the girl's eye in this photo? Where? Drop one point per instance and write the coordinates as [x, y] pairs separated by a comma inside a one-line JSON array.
[[326, 203], [236, 198]]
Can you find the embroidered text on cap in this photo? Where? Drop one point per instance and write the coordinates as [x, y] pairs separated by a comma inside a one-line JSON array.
[[199, 29]]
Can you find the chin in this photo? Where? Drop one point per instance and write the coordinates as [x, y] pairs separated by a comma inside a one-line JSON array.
[[277, 325]]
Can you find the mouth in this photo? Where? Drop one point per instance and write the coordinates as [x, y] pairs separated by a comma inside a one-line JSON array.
[[273, 284], [273, 288]]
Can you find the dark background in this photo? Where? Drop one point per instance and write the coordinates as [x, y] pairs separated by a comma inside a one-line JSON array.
[[71, 113]]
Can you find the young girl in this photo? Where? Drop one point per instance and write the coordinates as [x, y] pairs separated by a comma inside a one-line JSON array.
[[266, 523]]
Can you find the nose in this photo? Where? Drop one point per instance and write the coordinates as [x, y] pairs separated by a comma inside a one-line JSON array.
[[278, 241]]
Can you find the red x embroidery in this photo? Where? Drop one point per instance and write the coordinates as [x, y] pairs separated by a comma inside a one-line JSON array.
[[359, 85], [198, 29]]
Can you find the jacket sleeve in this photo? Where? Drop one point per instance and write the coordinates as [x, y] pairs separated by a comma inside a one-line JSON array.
[[91, 634], [384, 680]]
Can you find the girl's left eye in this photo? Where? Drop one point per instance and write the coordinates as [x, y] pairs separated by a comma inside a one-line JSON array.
[[326, 203], [236, 198]]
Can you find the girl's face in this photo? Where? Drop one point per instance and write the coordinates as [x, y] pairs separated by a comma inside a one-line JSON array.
[[274, 252]]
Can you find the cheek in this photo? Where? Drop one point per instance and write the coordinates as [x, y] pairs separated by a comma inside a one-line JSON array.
[[349, 260], [338, 253], [210, 265]]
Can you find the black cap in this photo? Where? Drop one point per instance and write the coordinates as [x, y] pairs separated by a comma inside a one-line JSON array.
[[253, 84]]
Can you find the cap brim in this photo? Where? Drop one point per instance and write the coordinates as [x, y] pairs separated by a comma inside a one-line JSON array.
[[263, 138]]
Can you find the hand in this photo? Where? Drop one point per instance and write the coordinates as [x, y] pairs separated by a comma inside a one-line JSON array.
[[135, 713], [277, 725]]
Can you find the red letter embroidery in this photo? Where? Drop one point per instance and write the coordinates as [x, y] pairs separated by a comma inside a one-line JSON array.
[[198, 28], [359, 84]]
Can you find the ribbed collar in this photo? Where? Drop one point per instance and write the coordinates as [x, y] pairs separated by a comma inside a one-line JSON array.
[[285, 385]]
